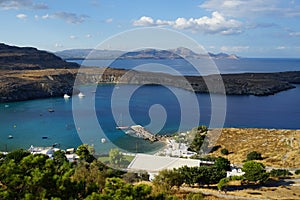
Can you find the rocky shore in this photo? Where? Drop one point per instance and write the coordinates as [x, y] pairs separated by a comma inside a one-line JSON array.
[[27, 73]]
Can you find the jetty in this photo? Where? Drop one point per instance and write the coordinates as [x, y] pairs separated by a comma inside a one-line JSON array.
[[141, 132]]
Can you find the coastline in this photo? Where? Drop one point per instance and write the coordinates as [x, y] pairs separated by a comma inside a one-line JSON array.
[[22, 85]]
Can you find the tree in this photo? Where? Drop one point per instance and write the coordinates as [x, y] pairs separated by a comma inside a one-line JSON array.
[[254, 155], [206, 175], [197, 141], [130, 177], [84, 153], [167, 179], [224, 151], [223, 183], [280, 173], [222, 164], [90, 177], [116, 157], [255, 172], [59, 157], [17, 155]]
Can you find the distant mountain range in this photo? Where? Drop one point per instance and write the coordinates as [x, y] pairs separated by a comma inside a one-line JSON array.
[[142, 54]]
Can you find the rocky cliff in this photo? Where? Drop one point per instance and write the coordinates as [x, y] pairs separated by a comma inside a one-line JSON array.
[[259, 84]]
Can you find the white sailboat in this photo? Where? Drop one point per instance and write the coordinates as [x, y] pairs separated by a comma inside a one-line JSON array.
[[66, 96], [119, 124], [80, 95]]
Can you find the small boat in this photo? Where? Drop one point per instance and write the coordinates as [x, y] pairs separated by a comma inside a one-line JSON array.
[[119, 126], [80, 95], [122, 127], [129, 132], [66, 96], [50, 110], [55, 145], [103, 140], [10, 137], [45, 137], [6, 106]]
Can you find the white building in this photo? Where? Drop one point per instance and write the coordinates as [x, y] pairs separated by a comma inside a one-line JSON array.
[[153, 164], [49, 151], [176, 149], [235, 172]]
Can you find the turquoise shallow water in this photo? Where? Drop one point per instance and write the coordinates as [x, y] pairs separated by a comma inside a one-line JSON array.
[[29, 121]]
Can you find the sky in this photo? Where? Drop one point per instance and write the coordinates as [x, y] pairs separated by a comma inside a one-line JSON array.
[[248, 28]]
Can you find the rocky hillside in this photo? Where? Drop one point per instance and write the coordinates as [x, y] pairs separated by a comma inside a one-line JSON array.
[[20, 58], [27, 73], [279, 148]]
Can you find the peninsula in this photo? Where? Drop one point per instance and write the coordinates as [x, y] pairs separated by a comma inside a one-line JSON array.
[[27, 73]]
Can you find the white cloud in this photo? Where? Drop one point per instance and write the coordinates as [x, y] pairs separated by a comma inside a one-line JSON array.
[[71, 18], [251, 8], [21, 16], [58, 45], [280, 48], [36, 17], [73, 37], [295, 34], [20, 4], [45, 16], [88, 35], [216, 24], [109, 20], [234, 48], [40, 6], [144, 21], [15, 4]]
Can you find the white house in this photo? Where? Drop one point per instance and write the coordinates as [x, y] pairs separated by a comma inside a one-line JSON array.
[[235, 172]]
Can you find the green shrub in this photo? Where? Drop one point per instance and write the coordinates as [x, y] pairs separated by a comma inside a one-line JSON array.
[[280, 173], [194, 196], [255, 172], [254, 155], [297, 171], [224, 151], [223, 183], [236, 178]]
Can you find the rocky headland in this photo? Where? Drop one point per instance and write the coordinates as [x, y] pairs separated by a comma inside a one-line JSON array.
[[27, 73]]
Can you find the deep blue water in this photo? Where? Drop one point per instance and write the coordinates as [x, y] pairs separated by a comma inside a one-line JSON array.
[[29, 121], [225, 66], [158, 108]]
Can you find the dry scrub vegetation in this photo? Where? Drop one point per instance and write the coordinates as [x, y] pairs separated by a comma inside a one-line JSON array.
[[279, 148]]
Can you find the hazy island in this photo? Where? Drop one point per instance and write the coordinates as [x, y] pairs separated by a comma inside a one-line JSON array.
[[27, 73]]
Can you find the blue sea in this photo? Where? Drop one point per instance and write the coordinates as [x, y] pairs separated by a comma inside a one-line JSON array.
[[184, 67], [158, 108]]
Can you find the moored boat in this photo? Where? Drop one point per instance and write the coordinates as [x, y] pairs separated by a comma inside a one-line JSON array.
[[80, 95], [66, 96]]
